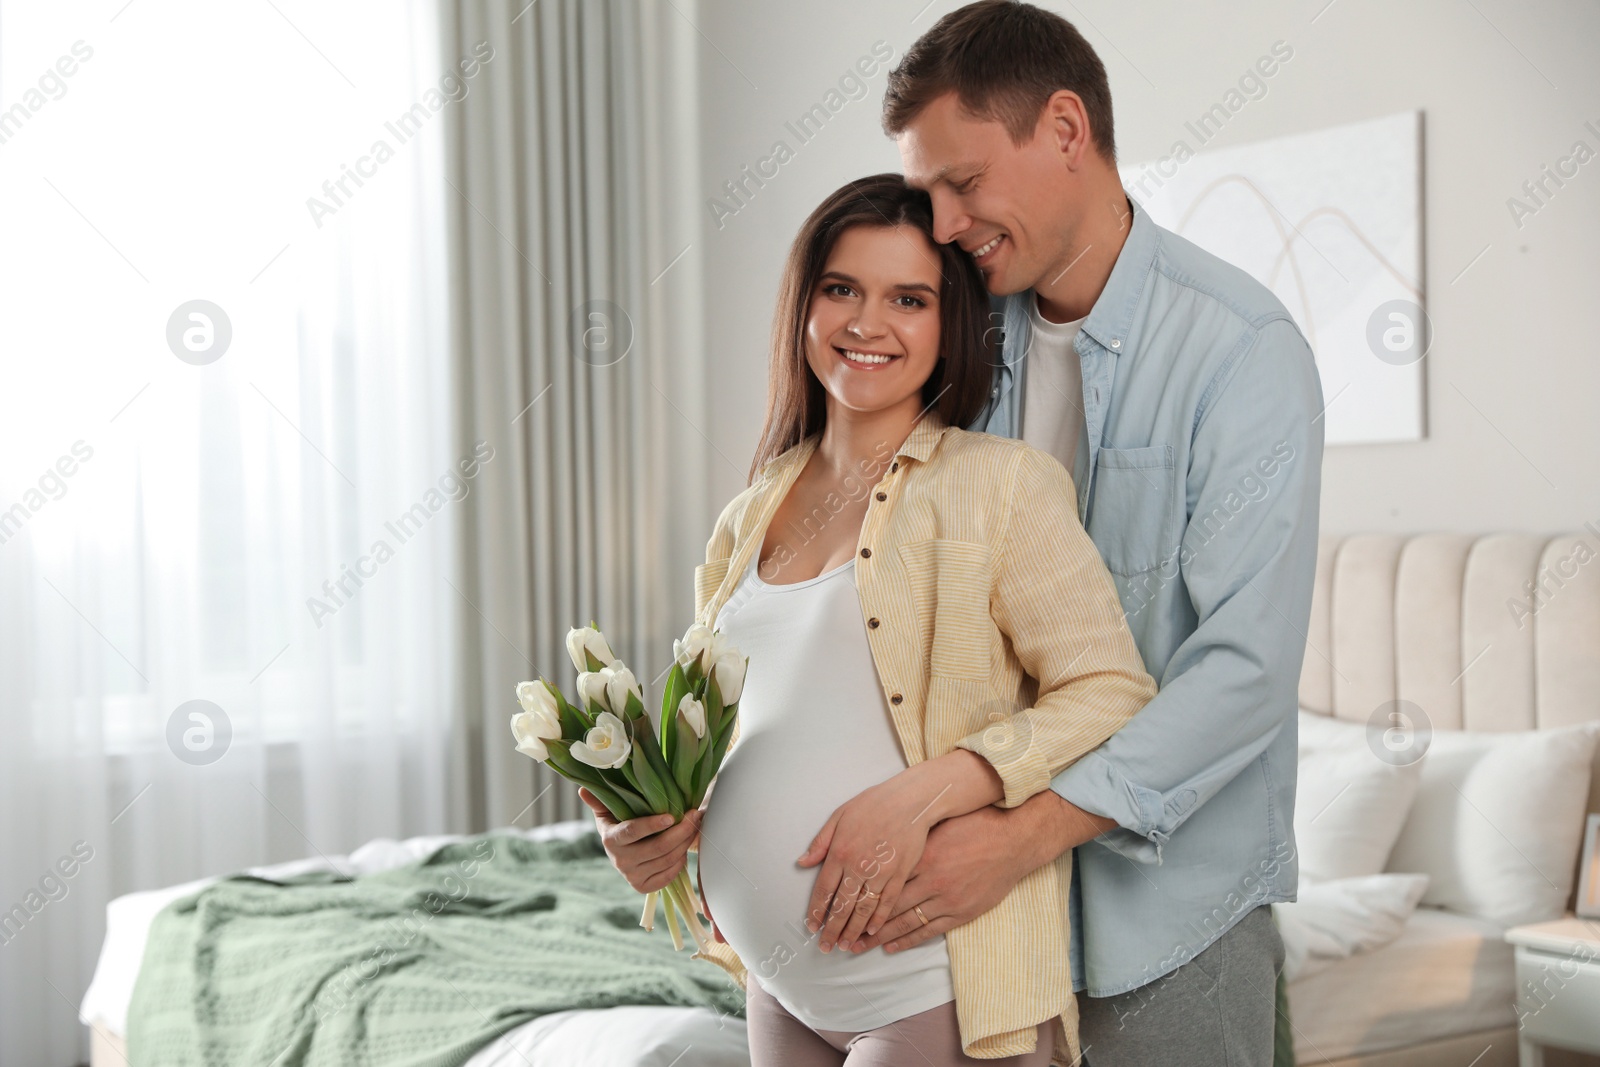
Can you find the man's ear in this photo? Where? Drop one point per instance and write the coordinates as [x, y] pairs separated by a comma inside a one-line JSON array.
[[1068, 125]]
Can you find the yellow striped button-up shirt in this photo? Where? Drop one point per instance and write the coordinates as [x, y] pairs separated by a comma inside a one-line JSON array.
[[995, 627]]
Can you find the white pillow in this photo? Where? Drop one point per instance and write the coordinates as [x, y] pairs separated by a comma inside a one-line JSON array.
[[1350, 806], [637, 1035], [1498, 820], [1333, 920]]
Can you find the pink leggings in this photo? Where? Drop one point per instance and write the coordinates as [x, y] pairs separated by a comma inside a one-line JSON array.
[[932, 1037]]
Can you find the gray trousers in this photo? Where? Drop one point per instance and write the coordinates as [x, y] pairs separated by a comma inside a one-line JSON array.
[[1217, 1010]]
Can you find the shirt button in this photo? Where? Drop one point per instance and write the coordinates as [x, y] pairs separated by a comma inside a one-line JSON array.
[[865, 552], [1116, 342], [895, 699], [895, 465], [883, 496], [872, 623]]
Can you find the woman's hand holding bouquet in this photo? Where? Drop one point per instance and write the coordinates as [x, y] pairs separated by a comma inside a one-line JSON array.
[[631, 765]]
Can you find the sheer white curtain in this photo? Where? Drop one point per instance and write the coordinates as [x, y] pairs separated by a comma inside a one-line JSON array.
[[272, 530]]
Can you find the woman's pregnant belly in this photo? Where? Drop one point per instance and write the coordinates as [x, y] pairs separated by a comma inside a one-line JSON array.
[[779, 785]]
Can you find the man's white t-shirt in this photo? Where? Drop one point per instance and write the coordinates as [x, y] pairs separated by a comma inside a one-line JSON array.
[[1052, 398]]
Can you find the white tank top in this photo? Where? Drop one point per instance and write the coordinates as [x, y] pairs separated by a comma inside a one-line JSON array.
[[814, 731]]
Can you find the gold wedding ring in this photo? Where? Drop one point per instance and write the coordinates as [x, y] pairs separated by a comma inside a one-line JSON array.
[[918, 909]]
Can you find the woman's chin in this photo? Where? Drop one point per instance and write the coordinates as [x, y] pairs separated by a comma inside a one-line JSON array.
[[862, 402], [866, 394]]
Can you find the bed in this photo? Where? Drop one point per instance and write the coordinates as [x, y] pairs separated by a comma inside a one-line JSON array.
[[1423, 619], [1445, 978], [642, 1035], [1486, 637]]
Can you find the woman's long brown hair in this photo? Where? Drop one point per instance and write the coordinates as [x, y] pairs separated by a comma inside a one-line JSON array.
[[959, 386]]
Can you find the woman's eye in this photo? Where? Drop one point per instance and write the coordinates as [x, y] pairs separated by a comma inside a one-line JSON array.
[[836, 289], [912, 301]]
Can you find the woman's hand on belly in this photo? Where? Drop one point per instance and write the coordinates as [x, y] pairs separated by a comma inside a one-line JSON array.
[[870, 844]]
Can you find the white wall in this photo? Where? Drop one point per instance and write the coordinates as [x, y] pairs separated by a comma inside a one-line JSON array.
[[1513, 378]]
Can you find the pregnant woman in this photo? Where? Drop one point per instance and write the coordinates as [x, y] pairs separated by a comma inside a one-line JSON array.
[[929, 631]]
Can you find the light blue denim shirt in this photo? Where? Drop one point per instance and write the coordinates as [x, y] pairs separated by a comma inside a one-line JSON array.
[[1200, 486]]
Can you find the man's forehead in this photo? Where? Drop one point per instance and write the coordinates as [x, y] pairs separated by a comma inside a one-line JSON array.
[[923, 168], [927, 155], [943, 141]]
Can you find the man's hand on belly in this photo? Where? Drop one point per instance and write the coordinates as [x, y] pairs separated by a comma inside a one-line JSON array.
[[972, 861]]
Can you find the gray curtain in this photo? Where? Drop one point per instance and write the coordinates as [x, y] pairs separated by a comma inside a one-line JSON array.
[[577, 355]]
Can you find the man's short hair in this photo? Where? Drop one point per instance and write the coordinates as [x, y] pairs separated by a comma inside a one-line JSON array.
[[1003, 60]]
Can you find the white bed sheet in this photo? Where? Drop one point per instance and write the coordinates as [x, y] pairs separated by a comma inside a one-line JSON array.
[[633, 1036], [1445, 975]]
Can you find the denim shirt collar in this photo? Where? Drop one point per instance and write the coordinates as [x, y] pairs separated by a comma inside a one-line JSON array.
[[1111, 318]]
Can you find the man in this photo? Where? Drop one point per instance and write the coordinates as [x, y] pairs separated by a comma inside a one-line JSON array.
[[1185, 402]]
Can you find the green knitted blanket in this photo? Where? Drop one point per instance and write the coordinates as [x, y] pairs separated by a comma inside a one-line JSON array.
[[414, 967]]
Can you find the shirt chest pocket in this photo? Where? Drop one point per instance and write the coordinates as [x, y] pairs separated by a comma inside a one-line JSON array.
[[951, 582], [1134, 520]]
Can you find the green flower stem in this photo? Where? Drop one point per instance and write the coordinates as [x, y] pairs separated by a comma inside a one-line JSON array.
[[620, 810], [645, 741], [687, 903]]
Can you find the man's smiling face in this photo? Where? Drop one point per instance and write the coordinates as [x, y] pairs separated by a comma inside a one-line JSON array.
[[1008, 205]]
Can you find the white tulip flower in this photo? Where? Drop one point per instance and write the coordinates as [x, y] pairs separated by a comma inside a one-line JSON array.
[[695, 641], [537, 700], [694, 713], [581, 639], [729, 674], [531, 735], [720, 646], [606, 745], [534, 748], [592, 688], [536, 696], [619, 683], [538, 721]]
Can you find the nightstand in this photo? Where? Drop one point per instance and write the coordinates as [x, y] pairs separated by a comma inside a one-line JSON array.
[[1558, 987]]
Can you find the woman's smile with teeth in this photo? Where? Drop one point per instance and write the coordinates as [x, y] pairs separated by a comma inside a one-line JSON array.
[[864, 357]]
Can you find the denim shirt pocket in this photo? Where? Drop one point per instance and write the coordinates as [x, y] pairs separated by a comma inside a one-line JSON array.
[[1134, 521]]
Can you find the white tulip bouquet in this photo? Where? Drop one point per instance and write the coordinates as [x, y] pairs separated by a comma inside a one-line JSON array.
[[635, 767]]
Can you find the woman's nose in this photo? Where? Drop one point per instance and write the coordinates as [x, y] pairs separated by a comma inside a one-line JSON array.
[[866, 324]]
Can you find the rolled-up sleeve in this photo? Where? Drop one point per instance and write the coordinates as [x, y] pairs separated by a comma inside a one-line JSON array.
[[1055, 602], [1231, 685]]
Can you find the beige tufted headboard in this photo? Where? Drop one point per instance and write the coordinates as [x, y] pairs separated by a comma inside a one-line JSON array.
[[1483, 633], [1500, 632]]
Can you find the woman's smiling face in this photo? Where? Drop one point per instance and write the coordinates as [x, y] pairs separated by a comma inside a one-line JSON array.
[[872, 332]]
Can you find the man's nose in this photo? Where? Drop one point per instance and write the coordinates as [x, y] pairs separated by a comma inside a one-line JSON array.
[[949, 221]]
